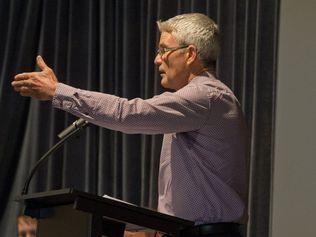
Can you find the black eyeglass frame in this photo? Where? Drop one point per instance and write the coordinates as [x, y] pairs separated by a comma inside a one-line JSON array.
[[162, 50]]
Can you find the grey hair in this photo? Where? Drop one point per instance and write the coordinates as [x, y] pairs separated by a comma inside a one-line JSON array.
[[196, 29]]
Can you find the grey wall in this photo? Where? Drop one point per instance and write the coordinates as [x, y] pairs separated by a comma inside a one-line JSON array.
[[294, 181]]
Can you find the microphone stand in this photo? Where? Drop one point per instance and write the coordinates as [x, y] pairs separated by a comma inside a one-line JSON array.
[[78, 126]]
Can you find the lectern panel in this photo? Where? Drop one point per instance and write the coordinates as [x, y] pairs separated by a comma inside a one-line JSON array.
[[65, 222]]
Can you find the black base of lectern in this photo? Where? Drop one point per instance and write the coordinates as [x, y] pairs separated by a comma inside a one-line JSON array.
[[72, 213]]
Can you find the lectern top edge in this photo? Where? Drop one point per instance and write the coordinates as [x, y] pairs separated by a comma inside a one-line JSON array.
[[69, 195]]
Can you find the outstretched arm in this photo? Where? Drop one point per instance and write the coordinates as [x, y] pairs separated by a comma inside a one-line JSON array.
[[185, 110]]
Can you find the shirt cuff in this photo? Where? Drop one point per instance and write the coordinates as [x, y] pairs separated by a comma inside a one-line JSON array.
[[62, 98]]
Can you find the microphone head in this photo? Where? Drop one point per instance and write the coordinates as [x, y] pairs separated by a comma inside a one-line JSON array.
[[78, 124]]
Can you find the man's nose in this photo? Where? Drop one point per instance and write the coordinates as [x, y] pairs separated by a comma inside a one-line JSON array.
[[158, 59]]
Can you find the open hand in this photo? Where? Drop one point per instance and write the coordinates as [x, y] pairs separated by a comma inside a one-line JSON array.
[[39, 85]]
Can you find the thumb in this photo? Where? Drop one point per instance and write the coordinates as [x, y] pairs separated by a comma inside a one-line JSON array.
[[40, 62]]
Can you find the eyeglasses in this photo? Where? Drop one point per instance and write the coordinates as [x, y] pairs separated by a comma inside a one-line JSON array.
[[161, 51]]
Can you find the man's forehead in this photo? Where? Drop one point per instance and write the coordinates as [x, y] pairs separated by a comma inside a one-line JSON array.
[[167, 39], [25, 225]]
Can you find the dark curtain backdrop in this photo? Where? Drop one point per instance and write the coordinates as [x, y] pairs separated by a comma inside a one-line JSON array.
[[109, 46]]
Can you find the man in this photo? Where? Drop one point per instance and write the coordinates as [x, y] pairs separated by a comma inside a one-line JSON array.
[[202, 175], [26, 226]]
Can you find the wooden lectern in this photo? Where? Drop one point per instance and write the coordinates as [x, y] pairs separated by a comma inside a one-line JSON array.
[[72, 213]]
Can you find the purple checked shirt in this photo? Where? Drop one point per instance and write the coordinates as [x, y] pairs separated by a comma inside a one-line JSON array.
[[202, 174]]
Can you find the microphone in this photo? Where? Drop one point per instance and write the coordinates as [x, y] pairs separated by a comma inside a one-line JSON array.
[[78, 124], [67, 133]]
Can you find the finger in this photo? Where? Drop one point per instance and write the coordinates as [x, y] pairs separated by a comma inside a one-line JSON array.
[[40, 62], [17, 88], [26, 83], [25, 92], [24, 76]]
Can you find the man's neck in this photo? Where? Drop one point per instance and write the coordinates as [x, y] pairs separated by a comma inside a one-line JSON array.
[[198, 71]]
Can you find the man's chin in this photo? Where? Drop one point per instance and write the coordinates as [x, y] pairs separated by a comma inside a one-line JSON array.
[[164, 81], [166, 84]]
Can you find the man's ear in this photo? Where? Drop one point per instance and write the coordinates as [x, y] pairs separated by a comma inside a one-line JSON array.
[[191, 54]]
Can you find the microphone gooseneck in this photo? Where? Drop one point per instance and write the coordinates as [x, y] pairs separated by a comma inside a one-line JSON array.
[[64, 136]]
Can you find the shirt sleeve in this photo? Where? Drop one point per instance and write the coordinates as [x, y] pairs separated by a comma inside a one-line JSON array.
[[184, 110]]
